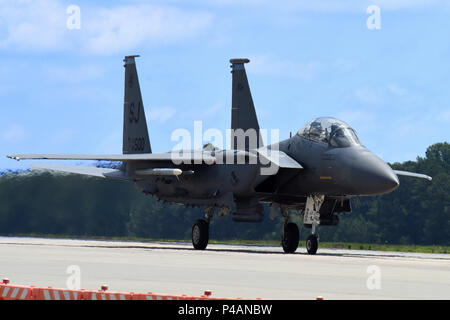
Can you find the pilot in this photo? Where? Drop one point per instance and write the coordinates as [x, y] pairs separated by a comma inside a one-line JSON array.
[[316, 130], [334, 127], [327, 135]]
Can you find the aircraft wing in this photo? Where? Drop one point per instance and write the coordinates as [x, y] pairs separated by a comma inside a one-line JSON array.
[[412, 174], [83, 170], [109, 173], [196, 157]]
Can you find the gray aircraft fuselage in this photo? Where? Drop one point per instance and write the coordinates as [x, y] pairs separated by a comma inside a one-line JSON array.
[[317, 171], [331, 171]]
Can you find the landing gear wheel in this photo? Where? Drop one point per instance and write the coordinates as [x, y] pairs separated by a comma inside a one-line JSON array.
[[312, 243], [200, 234], [290, 238]]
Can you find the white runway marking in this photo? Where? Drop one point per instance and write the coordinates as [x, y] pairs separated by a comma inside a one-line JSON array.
[[228, 271]]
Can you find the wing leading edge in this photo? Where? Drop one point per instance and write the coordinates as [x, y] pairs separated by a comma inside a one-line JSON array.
[[412, 174], [83, 170], [109, 173], [196, 157]]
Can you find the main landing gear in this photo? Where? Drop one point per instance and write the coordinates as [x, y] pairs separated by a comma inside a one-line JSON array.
[[200, 234], [290, 238], [200, 230]]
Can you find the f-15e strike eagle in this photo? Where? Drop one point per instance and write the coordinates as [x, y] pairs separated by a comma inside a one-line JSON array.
[[317, 171]]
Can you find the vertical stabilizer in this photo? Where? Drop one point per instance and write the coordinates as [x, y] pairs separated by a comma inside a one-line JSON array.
[[243, 114], [135, 133]]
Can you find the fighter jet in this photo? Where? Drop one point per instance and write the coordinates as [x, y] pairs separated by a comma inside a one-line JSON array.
[[314, 172]]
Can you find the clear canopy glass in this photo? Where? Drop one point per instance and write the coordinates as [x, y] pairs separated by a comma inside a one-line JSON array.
[[330, 131]]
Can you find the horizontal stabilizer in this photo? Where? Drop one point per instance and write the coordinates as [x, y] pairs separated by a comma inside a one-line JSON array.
[[412, 174], [83, 170]]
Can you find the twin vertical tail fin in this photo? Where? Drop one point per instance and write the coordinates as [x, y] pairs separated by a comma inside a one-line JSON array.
[[243, 114], [244, 122], [135, 133]]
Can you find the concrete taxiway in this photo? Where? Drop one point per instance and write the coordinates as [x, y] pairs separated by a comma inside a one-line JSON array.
[[228, 271]]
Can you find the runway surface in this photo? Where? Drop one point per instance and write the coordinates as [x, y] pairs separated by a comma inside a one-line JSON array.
[[228, 271]]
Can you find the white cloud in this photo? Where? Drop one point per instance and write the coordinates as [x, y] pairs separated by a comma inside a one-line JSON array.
[[444, 116], [266, 65], [360, 120], [409, 4], [62, 137], [161, 114], [346, 65], [128, 27], [213, 110], [409, 126], [37, 25], [367, 96], [332, 6], [73, 74], [396, 90], [380, 95], [42, 26], [13, 133], [111, 143]]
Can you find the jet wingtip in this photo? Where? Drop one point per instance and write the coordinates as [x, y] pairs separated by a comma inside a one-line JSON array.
[[412, 174], [13, 157]]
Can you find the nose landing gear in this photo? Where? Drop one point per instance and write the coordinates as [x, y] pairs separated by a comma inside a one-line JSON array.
[[312, 243], [311, 218]]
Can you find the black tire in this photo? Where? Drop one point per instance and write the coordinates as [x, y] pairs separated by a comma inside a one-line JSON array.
[[200, 234], [312, 244], [290, 238]]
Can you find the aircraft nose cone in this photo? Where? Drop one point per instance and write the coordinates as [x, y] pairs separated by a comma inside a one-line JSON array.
[[373, 176]]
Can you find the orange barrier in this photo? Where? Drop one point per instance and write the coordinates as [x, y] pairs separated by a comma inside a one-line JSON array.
[[103, 295], [12, 292], [56, 294], [154, 296], [15, 292]]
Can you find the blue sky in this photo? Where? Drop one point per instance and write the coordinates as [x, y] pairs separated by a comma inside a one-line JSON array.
[[61, 89]]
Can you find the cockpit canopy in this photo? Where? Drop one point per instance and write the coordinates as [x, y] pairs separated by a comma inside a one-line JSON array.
[[331, 131]]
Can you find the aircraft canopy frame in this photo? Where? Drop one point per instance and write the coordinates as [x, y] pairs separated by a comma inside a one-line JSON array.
[[330, 131]]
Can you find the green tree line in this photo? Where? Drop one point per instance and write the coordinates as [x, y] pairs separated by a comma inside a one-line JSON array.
[[418, 212]]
